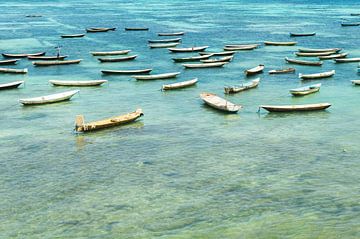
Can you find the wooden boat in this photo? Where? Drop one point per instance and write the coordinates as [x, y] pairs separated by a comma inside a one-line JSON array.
[[293, 34], [333, 56], [295, 108], [32, 15], [81, 126], [317, 75], [13, 71], [179, 85], [136, 29], [254, 70], [222, 53], [109, 53], [11, 85], [306, 90], [77, 83], [192, 58], [354, 14], [243, 87], [275, 43], [46, 58], [356, 82], [54, 98], [22, 55], [157, 76], [314, 54], [73, 36], [301, 62], [165, 40], [282, 71], [345, 60], [55, 63], [205, 65], [9, 62], [350, 24], [126, 72], [319, 50], [219, 103], [188, 49], [100, 29], [222, 59], [240, 47], [171, 34], [164, 45], [126, 58]]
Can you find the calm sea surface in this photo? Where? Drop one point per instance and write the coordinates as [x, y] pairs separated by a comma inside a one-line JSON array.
[[184, 170]]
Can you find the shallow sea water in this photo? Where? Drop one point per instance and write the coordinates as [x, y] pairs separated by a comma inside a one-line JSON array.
[[184, 170]]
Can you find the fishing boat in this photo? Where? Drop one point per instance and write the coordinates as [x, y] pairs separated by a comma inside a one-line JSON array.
[[73, 36], [350, 24], [171, 34], [47, 99], [109, 53], [13, 71], [126, 72], [188, 49], [282, 71], [356, 82], [205, 65], [319, 50], [255, 70], [293, 34], [100, 29], [55, 63], [10, 85], [295, 108], [136, 29], [276, 43], [163, 45], [192, 58], [9, 62], [179, 85], [219, 103], [345, 60], [33, 15], [243, 87], [118, 59], [81, 126], [222, 53], [301, 62], [240, 47], [46, 58], [222, 59], [77, 83], [156, 76], [306, 90], [22, 55], [333, 56], [165, 40], [354, 14], [317, 75], [314, 54]]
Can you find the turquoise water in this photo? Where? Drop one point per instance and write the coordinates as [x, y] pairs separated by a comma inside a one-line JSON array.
[[184, 170]]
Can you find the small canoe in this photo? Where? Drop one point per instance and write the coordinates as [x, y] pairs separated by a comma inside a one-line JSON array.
[[276, 43], [319, 50], [314, 54], [301, 62], [334, 56], [222, 59], [255, 70], [126, 72], [306, 90], [356, 82], [33, 16], [171, 34], [73, 36], [165, 40], [56, 63], [157, 76], [222, 53], [22, 55], [46, 58], [243, 87], [100, 29], [163, 45], [188, 49], [293, 34], [109, 53], [345, 60], [126, 58], [81, 126], [219, 103], [13, 71], [240, 47], [77, 83], [10, 85], [54, 98], [179, 85], [350, 24], [9, 62], [205, 65], [317, 75], [282, 71], [136, 29], [295, 108], [192, 58]]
